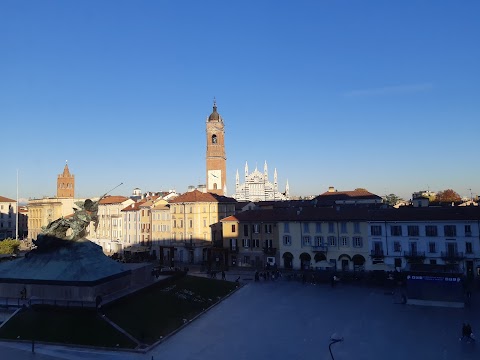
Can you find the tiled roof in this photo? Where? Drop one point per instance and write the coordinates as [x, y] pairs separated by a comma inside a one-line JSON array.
[[359, 214], [404, 213], [111, 199], [198, 196], [301, 214], [134, 206], [4, 199], [345, 195]]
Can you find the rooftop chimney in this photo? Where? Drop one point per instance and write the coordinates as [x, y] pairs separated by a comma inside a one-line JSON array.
[[331, 189]]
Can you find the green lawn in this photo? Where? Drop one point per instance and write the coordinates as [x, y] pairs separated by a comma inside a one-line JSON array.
[[157, 311], [147, 315], [64, 325]]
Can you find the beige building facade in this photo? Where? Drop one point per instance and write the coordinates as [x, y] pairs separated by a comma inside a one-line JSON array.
[[110, 230], [8, 213]]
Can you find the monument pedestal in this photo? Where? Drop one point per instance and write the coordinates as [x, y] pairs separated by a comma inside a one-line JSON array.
[[74, 274]]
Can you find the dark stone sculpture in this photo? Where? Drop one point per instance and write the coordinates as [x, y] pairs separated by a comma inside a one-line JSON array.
[[55, 233]]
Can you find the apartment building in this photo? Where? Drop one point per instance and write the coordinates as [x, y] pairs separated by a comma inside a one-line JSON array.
[[8, 213], [447, 236], [109, 233], [298, 238]]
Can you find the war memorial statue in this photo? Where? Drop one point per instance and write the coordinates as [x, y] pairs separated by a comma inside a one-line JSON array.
[[63, 231], [67, 229], [67, 268]]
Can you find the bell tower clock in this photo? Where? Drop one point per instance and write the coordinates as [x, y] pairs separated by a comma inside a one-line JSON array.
[[216, 158]]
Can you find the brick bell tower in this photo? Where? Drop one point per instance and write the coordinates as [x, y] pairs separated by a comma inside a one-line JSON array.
[[66, 184], [216, 158]]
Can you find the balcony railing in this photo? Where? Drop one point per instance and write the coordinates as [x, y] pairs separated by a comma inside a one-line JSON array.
[[414, 255], [319, 247], [378, 253], [451, 256], [269, 250]]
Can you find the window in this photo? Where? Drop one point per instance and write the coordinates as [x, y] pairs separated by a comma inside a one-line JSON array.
[[356, 227], [331, 227], [287, 240], [432, 247], [246, 243], [181, 223], [267, 244], [256, 243], [268, 228], [191, 210], [450, 230], [431, 230], [233, 244], [245, 230], [318, 241], [286, 227], [233, 228], [255, 228], [376, 230], [318, 227], [344, 241], [204, 222], [412, 230], [190, 223], [433, 262], [468, 230], [306, 228], [174, 224], [396, 246], [396, 230], [332, 241], [306, 241], [357, 241], [468, 248], [343, 227]]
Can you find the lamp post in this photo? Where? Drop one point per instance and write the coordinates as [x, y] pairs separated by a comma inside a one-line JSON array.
[[333, 340]]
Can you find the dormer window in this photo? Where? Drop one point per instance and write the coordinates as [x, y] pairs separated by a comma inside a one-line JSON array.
[[214, 139]]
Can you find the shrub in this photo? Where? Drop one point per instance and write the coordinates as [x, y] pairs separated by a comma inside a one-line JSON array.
[[9, 246]]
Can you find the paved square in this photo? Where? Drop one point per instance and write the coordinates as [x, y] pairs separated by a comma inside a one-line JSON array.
[[289, 320]]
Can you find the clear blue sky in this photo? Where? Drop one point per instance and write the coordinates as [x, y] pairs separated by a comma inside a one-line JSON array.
[[383, 95]]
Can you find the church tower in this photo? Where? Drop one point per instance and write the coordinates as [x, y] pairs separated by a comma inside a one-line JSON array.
[[216, 158], [65, 184]]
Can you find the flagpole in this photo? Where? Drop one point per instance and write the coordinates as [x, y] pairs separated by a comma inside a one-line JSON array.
[[18, 209]]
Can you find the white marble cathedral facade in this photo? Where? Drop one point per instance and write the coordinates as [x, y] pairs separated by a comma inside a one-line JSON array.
[[257, 187]]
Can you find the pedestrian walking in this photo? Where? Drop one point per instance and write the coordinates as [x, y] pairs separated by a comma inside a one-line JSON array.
[[223, 275]]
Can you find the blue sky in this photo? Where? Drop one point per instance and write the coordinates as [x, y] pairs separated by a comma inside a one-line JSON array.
[[376, 94]]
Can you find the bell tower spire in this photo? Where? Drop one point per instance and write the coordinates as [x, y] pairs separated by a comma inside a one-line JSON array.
[[65, 183], [216, 159]]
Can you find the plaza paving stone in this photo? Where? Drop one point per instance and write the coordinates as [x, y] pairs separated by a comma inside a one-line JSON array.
[[291, 320]]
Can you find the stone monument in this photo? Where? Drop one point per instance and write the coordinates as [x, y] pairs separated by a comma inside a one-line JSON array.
[[67, 267]]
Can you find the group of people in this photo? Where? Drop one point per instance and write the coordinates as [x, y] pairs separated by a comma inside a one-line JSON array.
[[213, 274], [267, 275]]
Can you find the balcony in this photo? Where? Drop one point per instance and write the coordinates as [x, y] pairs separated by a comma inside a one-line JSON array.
[[188, 244], [452, 256], [319, 248], [269, 251], [377, 253], [414, 256]]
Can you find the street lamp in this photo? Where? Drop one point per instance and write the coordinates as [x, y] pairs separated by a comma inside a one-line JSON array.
[[334, 339]]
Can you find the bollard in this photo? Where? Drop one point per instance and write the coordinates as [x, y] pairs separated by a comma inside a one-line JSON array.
[[33, 345]]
